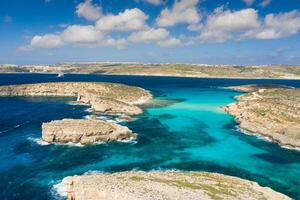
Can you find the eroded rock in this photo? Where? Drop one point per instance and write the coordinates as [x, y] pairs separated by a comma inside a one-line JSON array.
[[84, 131]]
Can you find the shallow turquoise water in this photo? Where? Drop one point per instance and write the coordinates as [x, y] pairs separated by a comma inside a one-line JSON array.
[[191, 133]]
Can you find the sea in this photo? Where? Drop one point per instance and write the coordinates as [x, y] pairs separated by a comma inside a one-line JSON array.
[[184, 130]]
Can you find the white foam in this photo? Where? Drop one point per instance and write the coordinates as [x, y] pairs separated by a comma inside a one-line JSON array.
[[38, 141], [90, 110], [90, 172], [59, 190], [130, 140], [102, 118], [87, 117]]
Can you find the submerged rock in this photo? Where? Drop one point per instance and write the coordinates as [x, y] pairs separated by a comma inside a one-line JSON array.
[[271, 111], [164, 186], [84, 131]]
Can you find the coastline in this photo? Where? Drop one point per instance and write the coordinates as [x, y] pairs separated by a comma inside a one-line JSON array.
[[161, 75], [252, 112]]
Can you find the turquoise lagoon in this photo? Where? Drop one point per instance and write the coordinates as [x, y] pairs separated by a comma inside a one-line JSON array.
[[187, 130]]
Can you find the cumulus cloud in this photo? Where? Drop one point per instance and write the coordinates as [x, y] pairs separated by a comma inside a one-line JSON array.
[[222, 24], [88, 10], [278, 26], [219, 26], [184, 11], [149, 35], [130, 19], [170, 42], [81, 34], [161, 36], [46, 41]]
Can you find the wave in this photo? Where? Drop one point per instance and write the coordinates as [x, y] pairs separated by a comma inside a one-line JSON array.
[[38, 141], [59, 191]]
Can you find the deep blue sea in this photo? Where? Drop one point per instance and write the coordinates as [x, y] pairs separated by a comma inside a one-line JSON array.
[[189, 133]]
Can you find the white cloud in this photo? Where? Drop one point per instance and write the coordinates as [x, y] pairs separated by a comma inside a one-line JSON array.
[[149, 35], [160, 36], [130, 19], [194, 27], [278, 26], [171, 42], [46, 41], [184, 11], [88, 11], [81, 34], [221, 25]]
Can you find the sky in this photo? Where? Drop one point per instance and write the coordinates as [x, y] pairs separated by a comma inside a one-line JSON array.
[[238, 32]]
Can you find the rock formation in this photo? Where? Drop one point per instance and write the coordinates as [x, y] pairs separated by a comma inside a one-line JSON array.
[[271, 111], [84, 131], [164, 186], [103, 97]]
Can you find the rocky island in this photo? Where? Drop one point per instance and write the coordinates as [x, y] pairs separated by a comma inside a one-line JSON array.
[[163, 186], [84, 131], [271, 111], [102, 97]]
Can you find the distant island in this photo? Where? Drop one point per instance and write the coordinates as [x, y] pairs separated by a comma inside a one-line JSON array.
[[178, 70]]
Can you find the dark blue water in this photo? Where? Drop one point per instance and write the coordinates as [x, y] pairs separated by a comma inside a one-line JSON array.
[[192, 133]]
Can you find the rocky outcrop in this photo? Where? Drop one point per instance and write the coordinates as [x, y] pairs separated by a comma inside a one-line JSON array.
[[103, 97], [84, 131], [164, 186], [271, 111]]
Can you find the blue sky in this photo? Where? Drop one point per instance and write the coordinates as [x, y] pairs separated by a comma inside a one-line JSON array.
[[186, 31]]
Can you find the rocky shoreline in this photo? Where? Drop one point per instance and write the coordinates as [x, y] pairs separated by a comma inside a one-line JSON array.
[[102, 97], [269, 111], [164, 185], [84, 131]]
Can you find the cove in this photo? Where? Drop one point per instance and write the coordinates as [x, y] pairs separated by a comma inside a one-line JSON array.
[[188, 131]]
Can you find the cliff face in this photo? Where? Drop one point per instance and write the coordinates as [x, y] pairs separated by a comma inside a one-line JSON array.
[[270, 111], [164, 186], [103, 97], [84, 131]]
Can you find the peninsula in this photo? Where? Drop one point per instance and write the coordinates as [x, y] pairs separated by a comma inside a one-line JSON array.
[[176, 70], [164, 186], [271, 111], [102, 97]]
